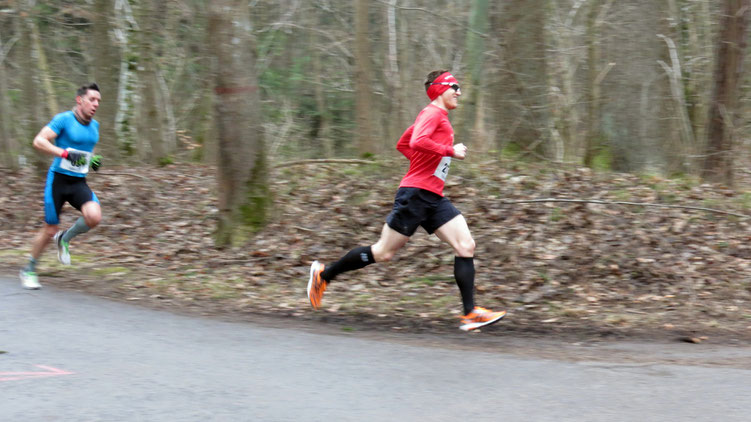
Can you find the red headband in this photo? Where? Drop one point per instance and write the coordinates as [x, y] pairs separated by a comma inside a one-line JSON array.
[[437, 88]]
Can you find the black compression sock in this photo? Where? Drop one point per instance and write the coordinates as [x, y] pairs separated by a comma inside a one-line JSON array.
[[354, 260], [464, 272]]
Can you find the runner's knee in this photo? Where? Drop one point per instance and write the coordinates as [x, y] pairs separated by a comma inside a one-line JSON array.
[[50, 230], [92, 220], [466, 248], [92, 215]]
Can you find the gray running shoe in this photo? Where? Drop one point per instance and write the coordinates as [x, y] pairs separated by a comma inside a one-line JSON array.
[[29, 280], [63, 255]]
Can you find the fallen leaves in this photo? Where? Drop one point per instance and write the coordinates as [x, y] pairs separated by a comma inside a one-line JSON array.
[[568, 266]]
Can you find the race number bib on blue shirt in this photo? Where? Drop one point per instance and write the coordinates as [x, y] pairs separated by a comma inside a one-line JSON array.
[[82, 169]]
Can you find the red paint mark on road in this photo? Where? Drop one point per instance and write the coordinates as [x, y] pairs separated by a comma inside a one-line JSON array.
[[49, 372]]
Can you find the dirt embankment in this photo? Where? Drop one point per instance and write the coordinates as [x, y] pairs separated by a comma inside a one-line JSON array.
[[616, 266]]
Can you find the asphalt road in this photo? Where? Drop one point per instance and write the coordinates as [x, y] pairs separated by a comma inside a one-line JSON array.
[[71, 357]]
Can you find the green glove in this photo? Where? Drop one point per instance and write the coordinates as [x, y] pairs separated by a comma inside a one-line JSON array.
[[76, 158], [96, 162]]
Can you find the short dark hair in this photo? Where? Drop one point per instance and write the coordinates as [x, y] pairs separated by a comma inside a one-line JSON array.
[[432, 77], [83, 89]]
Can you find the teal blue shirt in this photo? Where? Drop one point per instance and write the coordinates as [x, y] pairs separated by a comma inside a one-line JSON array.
[[72, 134]]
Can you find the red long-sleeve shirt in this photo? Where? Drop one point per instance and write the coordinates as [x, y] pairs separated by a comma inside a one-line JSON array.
[[428, 144]]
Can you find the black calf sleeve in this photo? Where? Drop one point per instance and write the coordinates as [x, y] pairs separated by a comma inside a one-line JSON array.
[[354, 260], [464, 272]]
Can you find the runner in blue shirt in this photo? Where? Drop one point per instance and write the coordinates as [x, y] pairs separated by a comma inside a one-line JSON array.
[[70, 137]]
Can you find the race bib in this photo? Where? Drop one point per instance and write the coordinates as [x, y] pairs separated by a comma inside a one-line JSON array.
[[443, 168], [65, 164]]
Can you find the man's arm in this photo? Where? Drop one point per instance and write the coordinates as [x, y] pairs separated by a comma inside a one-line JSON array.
[[403, 144], [44, 141], [424, 128]]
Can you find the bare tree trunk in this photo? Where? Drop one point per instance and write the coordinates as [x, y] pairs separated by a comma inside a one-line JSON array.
[[126, 113], [678, 90], [244, 196], [363, 89], [526, 71], [207, 130], [561, 31], [169, 123], [469, 124], [595, 76], [106, 68], [7, 145], [44, 69], [34, 114], [718, 165], [394, 103], [150, 130], [323, 120], [321, 130], [406, 87], [698, 86]]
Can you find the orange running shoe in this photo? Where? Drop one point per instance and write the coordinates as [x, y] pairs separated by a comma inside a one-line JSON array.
[[316, 285], [480, 317]]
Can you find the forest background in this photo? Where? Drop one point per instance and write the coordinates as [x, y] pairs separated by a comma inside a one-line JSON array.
[[606, 184]]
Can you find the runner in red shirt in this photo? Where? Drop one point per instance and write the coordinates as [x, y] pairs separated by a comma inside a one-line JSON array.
[[429, 146]]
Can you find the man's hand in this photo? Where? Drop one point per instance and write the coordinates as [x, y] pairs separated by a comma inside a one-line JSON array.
[[76, 158], [460, 151], [96, 162]]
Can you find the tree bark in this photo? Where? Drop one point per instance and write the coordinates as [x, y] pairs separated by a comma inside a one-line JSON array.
[[697, 43], [470, 124], [592, 144], [6, 140], [105, 64], [363, 89], [678, 91], [151, 132], [34, 114], [322, 119], [244, 196], [525, 72], [718, 164], [394, 96], [41, 56]]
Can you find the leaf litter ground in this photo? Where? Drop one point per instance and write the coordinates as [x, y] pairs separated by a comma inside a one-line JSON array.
[[575, 270]]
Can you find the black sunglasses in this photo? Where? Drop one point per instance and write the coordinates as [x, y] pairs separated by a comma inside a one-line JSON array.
[[451, 85]]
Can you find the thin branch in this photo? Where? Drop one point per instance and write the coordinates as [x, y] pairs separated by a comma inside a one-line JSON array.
[[6, 49], [572, 13], [676, 87], [603, 73], [123, 173], [638, 204], [323, 161], [439, 15], [603, 11]]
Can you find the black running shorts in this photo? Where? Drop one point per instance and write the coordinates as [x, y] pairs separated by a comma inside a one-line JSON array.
[[414, 207], [62, 188]]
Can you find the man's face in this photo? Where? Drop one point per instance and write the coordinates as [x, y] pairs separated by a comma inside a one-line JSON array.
[[451, 98], [88, 103]]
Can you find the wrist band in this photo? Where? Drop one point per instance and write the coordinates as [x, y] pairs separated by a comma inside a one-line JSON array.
[[64, 154]]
